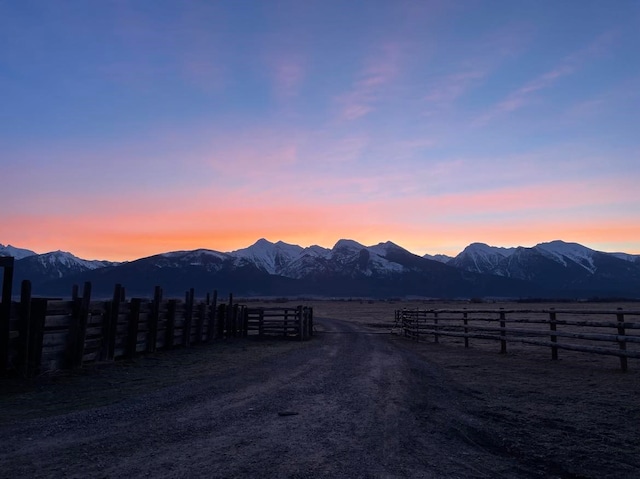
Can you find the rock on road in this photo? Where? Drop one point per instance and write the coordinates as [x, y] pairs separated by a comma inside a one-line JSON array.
[[350, 403]]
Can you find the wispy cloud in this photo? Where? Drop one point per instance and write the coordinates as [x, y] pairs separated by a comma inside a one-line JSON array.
[[449, 88], [288, 73], [252, 153], [372, 80], [567, 67]]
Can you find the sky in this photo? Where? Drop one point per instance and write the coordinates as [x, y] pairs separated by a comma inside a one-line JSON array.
[[131, 128]]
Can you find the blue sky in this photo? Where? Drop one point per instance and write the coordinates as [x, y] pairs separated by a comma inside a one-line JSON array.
[[129, 128]]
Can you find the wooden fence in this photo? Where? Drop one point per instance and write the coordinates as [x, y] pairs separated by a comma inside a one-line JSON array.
[[285, 322], [605, 332], [48, 334]]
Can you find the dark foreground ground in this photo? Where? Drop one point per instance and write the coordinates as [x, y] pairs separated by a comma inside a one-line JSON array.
[[352, 402]]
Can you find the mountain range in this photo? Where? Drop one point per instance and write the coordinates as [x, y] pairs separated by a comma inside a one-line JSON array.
[[556, 269]]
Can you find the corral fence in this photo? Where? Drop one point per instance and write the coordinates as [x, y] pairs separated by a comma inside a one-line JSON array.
[[285, 322], [44, 334], [606, 332]]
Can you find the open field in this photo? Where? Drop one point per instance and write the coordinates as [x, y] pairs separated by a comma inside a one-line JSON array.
[[355, 401]]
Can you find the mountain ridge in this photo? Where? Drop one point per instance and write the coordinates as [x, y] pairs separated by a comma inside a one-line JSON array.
[[349, 268]]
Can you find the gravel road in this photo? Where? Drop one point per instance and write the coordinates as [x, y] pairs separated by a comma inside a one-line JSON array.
[[352, 402]]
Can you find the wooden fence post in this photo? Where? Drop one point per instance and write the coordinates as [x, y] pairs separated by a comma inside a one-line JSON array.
[[301, 322], [5, 312], [171, 324], [465, 321], [118, 298], [132, 328], [213, 309], [503, 333], [202, 314], [405, 333], [188, 318], [25, 322], [245, 321], [554, 336], [231, 330], [154, 320], [261, 323], [109, 324], [78, 329], [621, 341], [235, 321], [36, 336], [435, 327], [222, 319]]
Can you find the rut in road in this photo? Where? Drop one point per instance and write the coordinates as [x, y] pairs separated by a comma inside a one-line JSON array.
[[344, 405]]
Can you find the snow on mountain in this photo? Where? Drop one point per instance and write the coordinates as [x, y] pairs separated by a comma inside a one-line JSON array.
[[383, 249], [56, 264], [352, 268], [346, 248], [391, 257], [17, 253], [347, 257], [311, 260], [210, 260], [380, 260], [627, 256], [67, 260], [268, 256], [442, 258], [378, 257], [480, 257], [562, 252], [317, 251]]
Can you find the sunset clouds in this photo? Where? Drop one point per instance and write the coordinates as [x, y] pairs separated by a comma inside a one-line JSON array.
[[132, 128]]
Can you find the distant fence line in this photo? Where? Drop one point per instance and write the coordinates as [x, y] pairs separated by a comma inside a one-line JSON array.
[[49, 334], [544, 327]]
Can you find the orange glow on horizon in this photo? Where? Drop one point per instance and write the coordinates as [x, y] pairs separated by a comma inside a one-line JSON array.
[[129, 229], [130, 243]]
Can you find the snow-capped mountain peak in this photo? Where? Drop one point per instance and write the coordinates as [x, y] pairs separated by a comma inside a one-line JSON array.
[[195, 257], [383, 249], [17, 253], [69, 260], [348, 244], [561, 251], [268, 256], [480, 257], [552, 268], [442, 258]]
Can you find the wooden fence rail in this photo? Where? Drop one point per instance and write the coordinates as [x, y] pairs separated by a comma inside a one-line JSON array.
[[286, 322], [46, 334], [605, 332]]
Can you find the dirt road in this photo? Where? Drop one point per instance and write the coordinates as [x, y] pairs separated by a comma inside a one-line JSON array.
[[350, 403]]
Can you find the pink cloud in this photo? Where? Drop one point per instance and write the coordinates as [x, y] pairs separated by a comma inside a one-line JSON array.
[[254, 152], [287, 74], [368, 90], [451, 87]]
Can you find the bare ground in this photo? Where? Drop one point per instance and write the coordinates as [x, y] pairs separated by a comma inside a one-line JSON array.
[[354, 401]]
